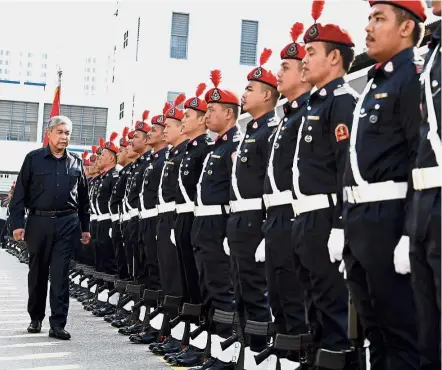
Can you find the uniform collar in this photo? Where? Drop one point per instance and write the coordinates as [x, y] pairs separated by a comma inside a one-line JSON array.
[[435, 38], [227, 135], [160, 153], [388, 68], [297, 103], [199, 139], [261, 121], [328, 90], [179, 148], [47, 152]]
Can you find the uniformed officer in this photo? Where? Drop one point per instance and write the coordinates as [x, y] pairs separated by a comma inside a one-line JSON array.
[[211, 214], [286, 295], [168, 259], [317, 177], [94, 176], [383, 146], [52, 186], [116, 206], [141, 146], [426, 217], [245, 238]]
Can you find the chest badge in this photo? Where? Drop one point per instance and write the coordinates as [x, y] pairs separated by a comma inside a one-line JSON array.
[[308, 139], [244, 159], [255, 125], [389, 67], [373, 118]]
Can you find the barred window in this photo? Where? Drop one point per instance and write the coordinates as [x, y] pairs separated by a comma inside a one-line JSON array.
[[179, 36], [249, 42], [18, 120]]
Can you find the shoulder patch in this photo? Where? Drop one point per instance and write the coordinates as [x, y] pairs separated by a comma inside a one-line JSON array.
[[274, 121], [341, 132]]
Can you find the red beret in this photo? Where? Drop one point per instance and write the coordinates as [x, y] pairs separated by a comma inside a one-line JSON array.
[[262, 75], [84, 155], [294, 50], [216, 95], [196, 103], [143, 125], [174, 112], [130, 134], [415, 7], [110, 145], [123, 141]]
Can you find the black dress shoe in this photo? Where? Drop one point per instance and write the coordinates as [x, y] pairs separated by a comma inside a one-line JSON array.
[[119, 315], [206, 365], [144, 338], [121, 323], [34, 327], [192, 357], [171, 346], [59, 333], [133, 329], [220, 365]]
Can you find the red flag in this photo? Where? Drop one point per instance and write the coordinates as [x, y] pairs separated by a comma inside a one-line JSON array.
[[55, 110]]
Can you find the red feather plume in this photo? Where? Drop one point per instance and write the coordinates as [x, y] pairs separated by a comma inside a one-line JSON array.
[[215, 76], [145, 115], [200, 89], [317, 8], [167, 107], [84, 154], [102, 142], [179, 100], [296, 31], [125, 132], [265, 55], [113, 136], [94, 149]]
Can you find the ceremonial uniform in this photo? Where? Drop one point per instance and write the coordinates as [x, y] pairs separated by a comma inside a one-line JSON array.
[[425, 229], [383, 146], [95, 182]]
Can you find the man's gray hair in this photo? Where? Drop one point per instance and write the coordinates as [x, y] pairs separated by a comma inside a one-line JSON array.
[[59, 120]]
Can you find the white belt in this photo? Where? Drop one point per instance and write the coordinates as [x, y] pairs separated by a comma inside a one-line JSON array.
[[376, 192], [103, 217], [185, 208], [278, 199], [166, 207], [134, 213], [312, 203], [115, 217], [126, 217], [245, 205], [93, 217], [211, 210], [149, 213], [427, 178]]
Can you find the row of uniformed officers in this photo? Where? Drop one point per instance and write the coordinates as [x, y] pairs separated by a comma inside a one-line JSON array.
[[263, 222]]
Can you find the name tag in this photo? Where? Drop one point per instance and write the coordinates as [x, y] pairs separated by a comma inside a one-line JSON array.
[[381, 96], [250, 141], [169, 162], [313, 118], [215, 156]]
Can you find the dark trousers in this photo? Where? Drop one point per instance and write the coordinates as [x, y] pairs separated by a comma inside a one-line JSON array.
[[208, 235], [324, 283], [50, 244], [128, 247], [244, 235], [104, 248], [192, 284], [94, 240], [3, 232], [425, 274], [133, 246], [149, 254], [286, 294], [168, 256], [383, 298], [120, 254]]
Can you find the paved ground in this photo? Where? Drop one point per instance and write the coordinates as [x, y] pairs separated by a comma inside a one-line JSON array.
[[94, 344]]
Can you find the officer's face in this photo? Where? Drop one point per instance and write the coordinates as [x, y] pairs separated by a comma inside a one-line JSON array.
[[172, 132], [253, 97], [316, 63], [192, 121], [139, 142], [216, 117], [122, 155], [436, 5], [59, 136], [289, 76], [107, 158], [156, 135]]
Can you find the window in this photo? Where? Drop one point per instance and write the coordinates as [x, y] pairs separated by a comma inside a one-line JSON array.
[[44, 66], [7, 52], [138, 40], [1, 62], [179, 36], [43, 75], [93, 79], [28, 73], [121, 115], [86, 87], [0, 70], [95, 60], [6, 62], [171, 95], [6, 71], [1, 52], [45, 56], [29, 64], [93, 70], [126, 39], [249, 41], [29, 55], [18, 120]]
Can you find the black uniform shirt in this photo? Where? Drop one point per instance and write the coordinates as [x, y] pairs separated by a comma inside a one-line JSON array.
[[425, 154], [283, 145], [192, 165], [104, 192], [252, 158], [215, 181], [47, 183], [94, 183], [137, 180], [116, 200], [170, 172], [152, 177]]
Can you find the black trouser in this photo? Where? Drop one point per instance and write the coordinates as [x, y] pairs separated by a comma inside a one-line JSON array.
[[149, 254], [192, 284], [128, 247], [93, 243], [120, 254], [325, 284], [286, 294], [104, 248], [244, 235], [168, 256], [50, 244], [133, 246], [208, 234], [79, 255], [425, 274], [383, 298], [3, 229]]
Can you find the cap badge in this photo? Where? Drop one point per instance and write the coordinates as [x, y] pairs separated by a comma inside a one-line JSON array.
[[171, 112], [160, 119], [292, 50], [313, 32], [257, 73], [194, 103], [140, 125], [215, 95]]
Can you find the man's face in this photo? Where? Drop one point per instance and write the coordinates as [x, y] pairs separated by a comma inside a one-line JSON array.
[[191, 121], [122, 155], [156, 135], [172, 132], [216, 117], [316, 64], [436, 5], [289, 76], [59, 136], [383, 33], [139, 142], [253, 96], [106, 159], [130, 151]]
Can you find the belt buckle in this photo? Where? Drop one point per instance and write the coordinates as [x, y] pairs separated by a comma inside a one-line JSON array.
[[355, 194], [52, 214]]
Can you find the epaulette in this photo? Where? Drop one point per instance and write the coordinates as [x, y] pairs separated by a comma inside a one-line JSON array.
[[274, 121], [237, 137], [419, 62], [115, 173], [346, 89], [210, 143]]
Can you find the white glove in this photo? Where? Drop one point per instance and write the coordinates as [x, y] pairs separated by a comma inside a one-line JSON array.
[[342, 269], [260, 254], [336, 245], [226, 247], [110, 233], [402, 256], [172, 237]]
